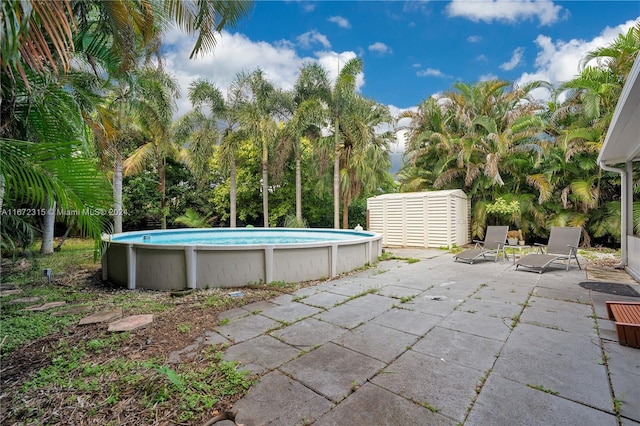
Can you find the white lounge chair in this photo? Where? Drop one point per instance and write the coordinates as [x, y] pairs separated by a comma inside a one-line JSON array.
[[493, 243], [562, 246]]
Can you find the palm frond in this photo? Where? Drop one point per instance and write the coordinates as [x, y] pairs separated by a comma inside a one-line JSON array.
[[138, 159], [33, 171]]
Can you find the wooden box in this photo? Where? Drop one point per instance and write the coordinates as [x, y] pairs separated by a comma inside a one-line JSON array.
[[627, 318]]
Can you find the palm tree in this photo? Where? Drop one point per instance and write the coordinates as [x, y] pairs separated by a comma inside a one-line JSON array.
[[483, 137], [342, 93], [40, 37], [365, 158], [158, 92], [197, 130], [259, 105], [206, 19], [311, 93], [26, 26], [46, 161], [619, 55]]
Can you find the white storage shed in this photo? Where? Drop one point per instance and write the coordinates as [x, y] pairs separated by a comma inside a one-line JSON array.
[[421, 219]]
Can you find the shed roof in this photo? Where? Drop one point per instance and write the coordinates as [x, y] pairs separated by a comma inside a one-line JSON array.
[[622, 142], [443, 193]]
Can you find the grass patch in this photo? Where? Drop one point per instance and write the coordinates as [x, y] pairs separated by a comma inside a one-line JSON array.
[[386, 256], [193, 390], [515, 320], [218, 301], [372, 290], [20, 327], [430, 407], [543, 389], [184, 327]]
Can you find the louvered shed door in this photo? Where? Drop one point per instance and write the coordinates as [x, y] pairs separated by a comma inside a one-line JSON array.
[[415, 221]]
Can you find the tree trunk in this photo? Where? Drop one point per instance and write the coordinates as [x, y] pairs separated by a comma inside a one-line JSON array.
[[345, 211], [162, 185], [298, 186], [233, 194], [265, 195], [49, 221], [336, 175], [2, 186], [265, 184], [117, 193]]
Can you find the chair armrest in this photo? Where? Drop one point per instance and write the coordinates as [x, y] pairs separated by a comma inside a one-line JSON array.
[[478, 243], [540, 246]]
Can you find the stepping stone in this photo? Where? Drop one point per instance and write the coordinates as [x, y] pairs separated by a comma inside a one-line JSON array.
[[104, 316], [46, 306], [9, 292], [72, 310], [134, 322], [8, 286], [33, 299]]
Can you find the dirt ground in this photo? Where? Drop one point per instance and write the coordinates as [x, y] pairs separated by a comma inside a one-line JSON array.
[[57, 406]]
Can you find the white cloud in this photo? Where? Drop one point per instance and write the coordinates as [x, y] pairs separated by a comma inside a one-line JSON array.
[[558, 61], [481, 58], [280, 63], [333, 62], [340, 21], [308, 7], [506, 10], [474, 39], [431, 72], [488, 77], [380, 48], [309, 38], [516, 59]]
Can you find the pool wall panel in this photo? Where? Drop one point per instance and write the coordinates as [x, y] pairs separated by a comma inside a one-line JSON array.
[[229, 268], [351, 257], [117, 264], [160, 269], [294, 265]]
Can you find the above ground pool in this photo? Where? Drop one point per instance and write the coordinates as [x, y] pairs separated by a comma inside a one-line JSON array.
[[234, 257]]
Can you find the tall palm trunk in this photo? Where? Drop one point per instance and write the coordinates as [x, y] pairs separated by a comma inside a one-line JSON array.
[[233, 194], [49, 221], [345, 211], [265, 184], [162, 186], [117, 193], [298, 185], [2, 187], [336, 175]]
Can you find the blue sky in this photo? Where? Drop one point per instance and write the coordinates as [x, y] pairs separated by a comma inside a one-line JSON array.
[[410, 49]]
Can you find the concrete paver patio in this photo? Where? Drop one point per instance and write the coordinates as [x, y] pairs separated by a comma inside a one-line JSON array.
[[436, 343]]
